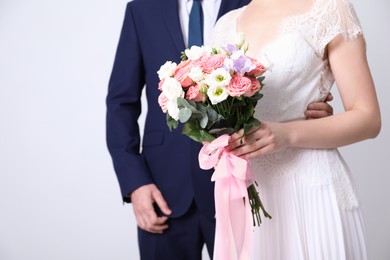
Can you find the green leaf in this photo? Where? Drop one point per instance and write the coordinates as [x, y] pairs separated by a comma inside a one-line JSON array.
[[206, 137], [261, 78], [203, 121], [196, 134], [183, 56], [187, 127], [172, 123], [256, 97], [184, 103], [247, 127], [184, 114], [251, 122], [217, 132], [214, 117]]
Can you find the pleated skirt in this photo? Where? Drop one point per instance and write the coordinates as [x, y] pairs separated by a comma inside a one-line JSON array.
[[315, 214]]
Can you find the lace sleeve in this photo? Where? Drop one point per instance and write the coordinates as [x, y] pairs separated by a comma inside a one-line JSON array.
[[337, 17]]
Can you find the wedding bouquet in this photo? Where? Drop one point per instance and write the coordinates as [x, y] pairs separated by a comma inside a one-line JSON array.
[[213, 91]]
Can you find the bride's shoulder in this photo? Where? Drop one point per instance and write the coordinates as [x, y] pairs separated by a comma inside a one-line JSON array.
[[231, 16]]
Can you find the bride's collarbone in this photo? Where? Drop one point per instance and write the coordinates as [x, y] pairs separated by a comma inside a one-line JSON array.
[[272, 13], [259, 33], [261, 21]]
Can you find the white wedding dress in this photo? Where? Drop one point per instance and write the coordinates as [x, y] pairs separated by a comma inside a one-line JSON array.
[[315, 212]]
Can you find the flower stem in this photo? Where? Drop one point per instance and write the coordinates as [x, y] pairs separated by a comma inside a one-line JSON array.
[[256, 205]]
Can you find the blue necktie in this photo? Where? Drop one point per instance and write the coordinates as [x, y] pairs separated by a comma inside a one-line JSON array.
[[195, 28]]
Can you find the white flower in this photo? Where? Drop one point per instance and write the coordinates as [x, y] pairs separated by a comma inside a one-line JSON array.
[[239, 39], [218, 78], [195, 52], [207, 50], [173, 109], [172, 89], [217, 94], [167, 70], [228, 65], [196, 74]]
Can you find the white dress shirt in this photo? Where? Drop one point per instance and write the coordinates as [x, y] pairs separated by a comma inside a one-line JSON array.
[[210, 14]]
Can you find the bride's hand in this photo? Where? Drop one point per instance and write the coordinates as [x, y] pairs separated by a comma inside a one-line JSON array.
[[266, 138]]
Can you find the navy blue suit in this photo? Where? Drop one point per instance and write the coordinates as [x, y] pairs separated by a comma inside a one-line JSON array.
[[150, 36]]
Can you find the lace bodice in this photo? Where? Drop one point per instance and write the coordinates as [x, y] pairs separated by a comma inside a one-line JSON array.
[[300, 75], [297, 54]]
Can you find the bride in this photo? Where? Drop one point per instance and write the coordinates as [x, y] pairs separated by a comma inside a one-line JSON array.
[[303, 180]]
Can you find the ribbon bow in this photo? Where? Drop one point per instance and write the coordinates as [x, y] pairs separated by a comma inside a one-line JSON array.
[[233, 236]]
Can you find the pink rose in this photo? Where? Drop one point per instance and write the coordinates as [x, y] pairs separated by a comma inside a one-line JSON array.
[[200, 61], [181, 73], [163, 102], [238, 86], [258, 70], [193, 93], [212, 62], [160, 84], [255, 87]]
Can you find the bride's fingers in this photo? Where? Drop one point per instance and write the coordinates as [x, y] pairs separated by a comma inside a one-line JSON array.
[[249, 146], [237, 142], [259, 152], [238, 139]]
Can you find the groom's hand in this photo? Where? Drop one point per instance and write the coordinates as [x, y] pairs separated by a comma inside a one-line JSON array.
[[143, 199], [319, 109]]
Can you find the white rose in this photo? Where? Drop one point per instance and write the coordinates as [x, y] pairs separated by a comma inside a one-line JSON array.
[[207, 50], [218, 78], [195, 52], [196, 74], [217, 94], [172, 89], [167, 70], [173, 109]]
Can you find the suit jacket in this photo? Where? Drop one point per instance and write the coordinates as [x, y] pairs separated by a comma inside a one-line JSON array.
[[150, 36]]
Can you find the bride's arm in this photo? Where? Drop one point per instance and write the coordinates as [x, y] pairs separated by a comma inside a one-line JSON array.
[[361, 119]]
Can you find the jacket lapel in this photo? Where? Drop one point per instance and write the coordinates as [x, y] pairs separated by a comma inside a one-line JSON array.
[[172, 20]]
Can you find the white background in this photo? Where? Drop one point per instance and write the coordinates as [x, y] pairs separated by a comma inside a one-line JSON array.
[[59, 197]]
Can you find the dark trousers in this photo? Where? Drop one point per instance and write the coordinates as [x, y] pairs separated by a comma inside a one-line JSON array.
[[183, 240]]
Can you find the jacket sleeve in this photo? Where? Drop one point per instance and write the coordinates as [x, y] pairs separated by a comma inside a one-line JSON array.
[[123, 109]]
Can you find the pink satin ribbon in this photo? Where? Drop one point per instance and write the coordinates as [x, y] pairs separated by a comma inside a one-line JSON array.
[[233, 235]]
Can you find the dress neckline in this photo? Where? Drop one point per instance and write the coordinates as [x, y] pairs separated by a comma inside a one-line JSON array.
[[284, 23]]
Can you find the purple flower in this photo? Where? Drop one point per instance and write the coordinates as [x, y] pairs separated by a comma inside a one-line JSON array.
[[242, 65], [230, 48]]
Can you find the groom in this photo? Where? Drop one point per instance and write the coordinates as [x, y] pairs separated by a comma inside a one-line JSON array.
[[172, 197]]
